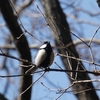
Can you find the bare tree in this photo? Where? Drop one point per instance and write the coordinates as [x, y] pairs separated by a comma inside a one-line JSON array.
[[21, 45], [61, 31]]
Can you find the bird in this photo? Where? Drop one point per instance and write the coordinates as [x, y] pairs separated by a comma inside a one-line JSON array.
[[44, 58]]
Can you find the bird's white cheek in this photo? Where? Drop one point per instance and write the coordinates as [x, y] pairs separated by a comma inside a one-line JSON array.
[[43, 46], [40, 57]]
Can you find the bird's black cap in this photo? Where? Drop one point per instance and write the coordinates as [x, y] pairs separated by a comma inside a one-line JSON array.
[[46, 42]]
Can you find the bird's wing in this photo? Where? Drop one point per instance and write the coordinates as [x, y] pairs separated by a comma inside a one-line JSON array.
[[51, 58], [41, 56]]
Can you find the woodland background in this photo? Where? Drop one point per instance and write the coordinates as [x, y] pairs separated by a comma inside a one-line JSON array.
[[72, 27]]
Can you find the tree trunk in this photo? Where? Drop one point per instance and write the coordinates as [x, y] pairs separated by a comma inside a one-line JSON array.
[[57, 21], [21, 45]]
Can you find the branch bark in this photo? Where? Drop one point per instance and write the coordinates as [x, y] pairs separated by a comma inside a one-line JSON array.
[[21, 45], [24, 5], [57, 21], [2, 97], [98, 1]]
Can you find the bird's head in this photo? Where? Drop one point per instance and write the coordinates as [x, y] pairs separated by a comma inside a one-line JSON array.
[[45, 45]]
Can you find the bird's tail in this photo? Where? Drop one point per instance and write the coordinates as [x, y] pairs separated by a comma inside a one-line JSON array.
[[31, 70]]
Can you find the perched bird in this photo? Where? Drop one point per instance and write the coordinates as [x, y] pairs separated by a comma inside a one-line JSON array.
[[44, 58]]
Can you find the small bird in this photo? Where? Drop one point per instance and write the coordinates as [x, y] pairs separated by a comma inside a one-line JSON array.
[[44, 58]]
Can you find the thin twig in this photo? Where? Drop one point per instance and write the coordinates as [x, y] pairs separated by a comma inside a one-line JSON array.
[[92, 57], [25, 31], [19, 59], [5, 76], [64, 91], [94, 36], [76, 82], [48, 87], [32, 83], [62, 55], [91, 53]]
